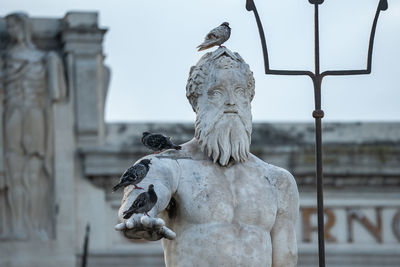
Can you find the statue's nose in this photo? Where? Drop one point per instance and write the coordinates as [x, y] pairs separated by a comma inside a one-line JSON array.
[[230, 100]]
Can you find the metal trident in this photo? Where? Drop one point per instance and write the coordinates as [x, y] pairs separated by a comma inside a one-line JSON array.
[[318, 114]]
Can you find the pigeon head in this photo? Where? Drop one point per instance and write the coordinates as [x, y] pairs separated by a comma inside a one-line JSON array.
[[151, 188], [226, 24], [146, 162], [146, 134]]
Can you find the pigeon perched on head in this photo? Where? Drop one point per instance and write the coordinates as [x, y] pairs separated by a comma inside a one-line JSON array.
[[158, 142], [217, 36], [134, 175], [143, 203]]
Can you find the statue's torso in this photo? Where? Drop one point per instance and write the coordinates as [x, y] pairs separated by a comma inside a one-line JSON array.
[[25, 100], [25, 77], [223, 215]]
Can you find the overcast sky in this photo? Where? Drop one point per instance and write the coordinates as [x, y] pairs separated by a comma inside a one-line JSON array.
[[150, 47]]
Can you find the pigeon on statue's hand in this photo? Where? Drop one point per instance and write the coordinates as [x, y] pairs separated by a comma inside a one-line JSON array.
[[158, 142], [217, 36], [143, 203], [134, 175]]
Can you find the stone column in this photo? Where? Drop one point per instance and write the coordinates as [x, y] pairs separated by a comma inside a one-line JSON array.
[[88, 77]]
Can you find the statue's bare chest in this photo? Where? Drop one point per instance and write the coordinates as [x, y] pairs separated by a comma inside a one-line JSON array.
[[239, 194]]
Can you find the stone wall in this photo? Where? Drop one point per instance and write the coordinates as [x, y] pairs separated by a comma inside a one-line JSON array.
[[52, 91]]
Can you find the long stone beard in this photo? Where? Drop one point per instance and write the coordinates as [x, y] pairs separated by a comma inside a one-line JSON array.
[[224, 136]]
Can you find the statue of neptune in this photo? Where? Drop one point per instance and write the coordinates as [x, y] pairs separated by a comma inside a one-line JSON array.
[[226, 206]]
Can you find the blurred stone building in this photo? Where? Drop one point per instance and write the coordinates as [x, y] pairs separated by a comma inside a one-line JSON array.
[[73, 160]]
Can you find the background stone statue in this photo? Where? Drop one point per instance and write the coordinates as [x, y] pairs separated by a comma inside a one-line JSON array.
[[225, 206], [32, 81]]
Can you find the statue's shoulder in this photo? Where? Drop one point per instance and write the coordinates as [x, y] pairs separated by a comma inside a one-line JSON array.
[[29, 54], [189, 151], [279, 177], [168, 159]]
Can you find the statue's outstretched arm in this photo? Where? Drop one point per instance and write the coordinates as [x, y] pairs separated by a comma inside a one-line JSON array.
[[283, 234], [164, 175]]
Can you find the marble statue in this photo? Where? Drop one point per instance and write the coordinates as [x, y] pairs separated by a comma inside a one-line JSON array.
[[218, 204], [31, 81]]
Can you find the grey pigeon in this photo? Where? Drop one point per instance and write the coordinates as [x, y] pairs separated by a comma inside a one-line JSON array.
[[217, 36], [134, 175], [143, 203], [158, 142]]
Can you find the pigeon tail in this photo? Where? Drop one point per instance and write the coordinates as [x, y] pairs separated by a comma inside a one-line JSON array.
[[204, 47], [118, 186], [128, 214]]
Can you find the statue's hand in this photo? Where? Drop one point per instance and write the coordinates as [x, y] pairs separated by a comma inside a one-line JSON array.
[[140, 226]]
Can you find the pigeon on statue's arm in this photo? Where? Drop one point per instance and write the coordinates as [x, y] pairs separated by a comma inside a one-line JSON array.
[[134, 175], [143, 203], [158, 142], [164, 175]]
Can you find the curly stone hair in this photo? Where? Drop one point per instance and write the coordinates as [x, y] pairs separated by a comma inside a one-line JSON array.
[[221, 58]]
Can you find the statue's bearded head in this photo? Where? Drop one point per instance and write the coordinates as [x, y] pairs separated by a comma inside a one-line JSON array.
[[220, 89]]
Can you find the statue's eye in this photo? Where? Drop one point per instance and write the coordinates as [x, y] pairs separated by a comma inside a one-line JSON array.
[[240, 91], [215, 93]]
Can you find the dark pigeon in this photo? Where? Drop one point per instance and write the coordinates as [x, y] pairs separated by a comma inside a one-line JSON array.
[[217, 36], [134, 175], [143, 203], [158, 142]]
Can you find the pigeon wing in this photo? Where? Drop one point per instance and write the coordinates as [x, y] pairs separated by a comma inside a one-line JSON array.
[[127, 176], [126, 179], [137, 205], [140, 201], [149, 203], [139, 172], [155, 141], [223, 33], [130, 174], [163, 144], [211, 39], [211, 36], [170, 144]]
